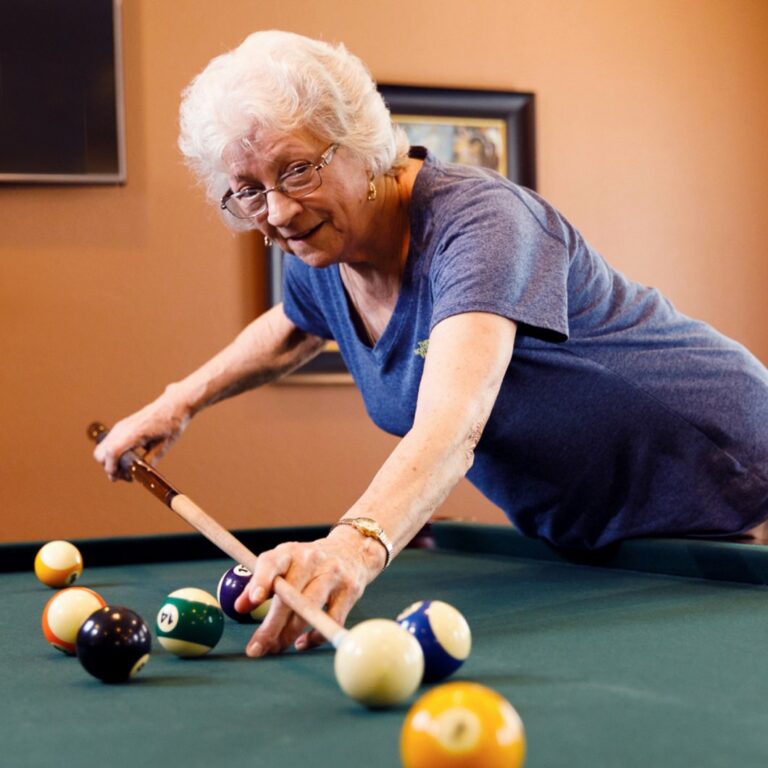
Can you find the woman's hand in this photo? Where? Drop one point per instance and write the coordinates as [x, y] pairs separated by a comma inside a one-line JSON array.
[[332, 572], [156, 427]]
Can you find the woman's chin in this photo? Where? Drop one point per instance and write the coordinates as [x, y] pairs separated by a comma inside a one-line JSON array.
[[312, 257]]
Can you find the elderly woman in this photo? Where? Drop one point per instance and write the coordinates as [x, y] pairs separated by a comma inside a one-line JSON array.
[[478, 324]]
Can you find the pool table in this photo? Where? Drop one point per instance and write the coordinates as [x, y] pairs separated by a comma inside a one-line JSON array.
[[650, 655]]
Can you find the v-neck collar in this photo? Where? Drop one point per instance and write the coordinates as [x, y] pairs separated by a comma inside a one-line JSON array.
[[388, 338]]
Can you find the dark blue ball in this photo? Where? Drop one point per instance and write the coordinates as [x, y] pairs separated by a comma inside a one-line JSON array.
[[443, 634], [231, 584]]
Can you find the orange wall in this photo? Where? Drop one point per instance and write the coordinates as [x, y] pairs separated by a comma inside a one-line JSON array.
[[651, 126]]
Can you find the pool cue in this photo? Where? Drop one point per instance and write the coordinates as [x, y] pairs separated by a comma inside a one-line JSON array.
[[184, 507]]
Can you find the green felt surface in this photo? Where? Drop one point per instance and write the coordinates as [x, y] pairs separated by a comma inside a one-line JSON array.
[[606, 667]]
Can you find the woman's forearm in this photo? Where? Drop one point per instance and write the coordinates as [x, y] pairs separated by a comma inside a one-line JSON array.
[[414, 481], [268, 348]]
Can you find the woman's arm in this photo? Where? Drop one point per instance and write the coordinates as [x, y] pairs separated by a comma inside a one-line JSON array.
[[467, 358], [270, 347]]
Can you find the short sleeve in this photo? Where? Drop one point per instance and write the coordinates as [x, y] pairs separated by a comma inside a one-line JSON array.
[[502, 251], [299, 303]]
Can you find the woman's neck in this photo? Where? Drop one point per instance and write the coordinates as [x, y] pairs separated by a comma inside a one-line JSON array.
[[379, 267]]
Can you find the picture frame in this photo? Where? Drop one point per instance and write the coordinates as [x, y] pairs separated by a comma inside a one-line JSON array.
[[490, 128], [62, 66]]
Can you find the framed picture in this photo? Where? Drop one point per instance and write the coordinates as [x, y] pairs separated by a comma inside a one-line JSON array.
[[493, 129]]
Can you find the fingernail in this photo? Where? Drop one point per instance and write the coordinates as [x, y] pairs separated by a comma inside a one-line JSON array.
[[301, 642], [254, 649]]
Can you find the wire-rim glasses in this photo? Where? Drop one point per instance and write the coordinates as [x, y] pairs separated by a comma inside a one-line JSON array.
[[300, 180]]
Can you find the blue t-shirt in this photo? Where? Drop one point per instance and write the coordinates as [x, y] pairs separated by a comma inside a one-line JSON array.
[[618, 416]]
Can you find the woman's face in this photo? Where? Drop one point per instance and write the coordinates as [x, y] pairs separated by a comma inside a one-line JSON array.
[[329, 225]]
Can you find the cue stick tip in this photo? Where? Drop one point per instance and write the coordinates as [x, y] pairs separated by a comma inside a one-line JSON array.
[[338, 637]]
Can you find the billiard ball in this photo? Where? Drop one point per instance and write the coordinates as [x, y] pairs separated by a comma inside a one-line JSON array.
[[190, 622], [65, 613], [58, 564], [113, 644], [230, 587], [378, 663], [443, 633], [462, 724]]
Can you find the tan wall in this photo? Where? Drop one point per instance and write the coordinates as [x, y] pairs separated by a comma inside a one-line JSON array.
[[651, 129]]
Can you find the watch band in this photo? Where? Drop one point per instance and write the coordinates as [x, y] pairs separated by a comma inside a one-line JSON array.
[[368, 527]]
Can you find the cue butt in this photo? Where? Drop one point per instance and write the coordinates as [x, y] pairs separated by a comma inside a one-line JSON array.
[[133, 466]]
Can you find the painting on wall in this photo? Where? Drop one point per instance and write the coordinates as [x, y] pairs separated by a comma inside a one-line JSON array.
[[491, 129]]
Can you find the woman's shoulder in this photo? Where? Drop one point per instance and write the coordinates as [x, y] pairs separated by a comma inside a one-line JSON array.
[[449, 195], [439, 175]]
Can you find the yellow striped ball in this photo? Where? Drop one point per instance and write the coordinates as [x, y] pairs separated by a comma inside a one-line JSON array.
[[58, 564]]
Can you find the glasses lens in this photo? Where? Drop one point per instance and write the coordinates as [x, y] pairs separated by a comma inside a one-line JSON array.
[[246, 206], [300, 181]]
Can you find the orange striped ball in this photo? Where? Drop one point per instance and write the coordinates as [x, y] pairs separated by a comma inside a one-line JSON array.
[[65, 613]]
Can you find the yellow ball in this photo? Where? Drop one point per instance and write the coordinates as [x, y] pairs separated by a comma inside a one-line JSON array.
[[462, 725], [58, 564], [378, 663]]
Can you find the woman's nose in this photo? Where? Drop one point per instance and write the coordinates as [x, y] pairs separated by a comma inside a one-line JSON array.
[[281, 208]]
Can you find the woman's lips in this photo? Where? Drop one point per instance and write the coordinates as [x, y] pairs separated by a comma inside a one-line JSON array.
[[304, 235]]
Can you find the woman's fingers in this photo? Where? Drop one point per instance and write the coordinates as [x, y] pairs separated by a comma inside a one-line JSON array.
[[108, 452], [339, 607], [280, 561], [155, 428], [327, 577]]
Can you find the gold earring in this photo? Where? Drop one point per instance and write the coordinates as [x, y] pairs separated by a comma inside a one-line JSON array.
[[267, 241], [372, 193]]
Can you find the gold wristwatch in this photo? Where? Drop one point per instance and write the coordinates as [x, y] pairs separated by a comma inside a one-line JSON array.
[[370, 528]]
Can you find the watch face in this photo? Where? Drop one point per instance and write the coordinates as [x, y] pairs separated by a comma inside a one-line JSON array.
[[367, 525]]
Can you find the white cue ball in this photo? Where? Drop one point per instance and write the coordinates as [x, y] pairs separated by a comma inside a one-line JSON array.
[[378, 663]]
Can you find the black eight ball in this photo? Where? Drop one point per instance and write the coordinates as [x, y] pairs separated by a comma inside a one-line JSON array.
[[113, 643]]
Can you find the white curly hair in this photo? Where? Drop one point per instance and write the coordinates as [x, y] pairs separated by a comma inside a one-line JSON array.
[[286, 82]]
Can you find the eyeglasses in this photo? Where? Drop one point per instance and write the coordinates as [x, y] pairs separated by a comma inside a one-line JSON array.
[[299, 181]]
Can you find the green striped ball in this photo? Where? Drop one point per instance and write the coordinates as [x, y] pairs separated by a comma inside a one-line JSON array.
[[190, 622]]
